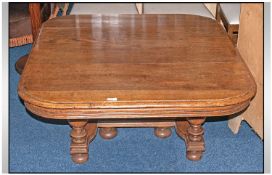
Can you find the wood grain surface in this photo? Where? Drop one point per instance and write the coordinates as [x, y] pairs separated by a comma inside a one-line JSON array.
[[136, 64]]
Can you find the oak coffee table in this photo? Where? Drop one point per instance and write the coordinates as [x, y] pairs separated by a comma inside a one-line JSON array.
[[110, 71]]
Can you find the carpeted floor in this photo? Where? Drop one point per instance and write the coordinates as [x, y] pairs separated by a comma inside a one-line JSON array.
[[38, 145]]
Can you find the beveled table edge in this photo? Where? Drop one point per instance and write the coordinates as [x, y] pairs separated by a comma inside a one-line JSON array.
[[136, 113], [247, 96]]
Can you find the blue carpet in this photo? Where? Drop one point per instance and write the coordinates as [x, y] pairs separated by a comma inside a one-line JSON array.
[[43, 146]]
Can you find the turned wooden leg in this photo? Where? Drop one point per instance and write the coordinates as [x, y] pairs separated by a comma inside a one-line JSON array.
[[196, 144], [162, 132], [192, 132], [81, 135], [108, 133]]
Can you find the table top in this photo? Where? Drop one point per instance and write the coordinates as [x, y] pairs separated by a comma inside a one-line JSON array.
[[135, 61]]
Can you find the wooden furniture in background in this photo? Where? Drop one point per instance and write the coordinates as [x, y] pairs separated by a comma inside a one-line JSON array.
[[19, 25], [177, 8], [250, 46], [57, 7], [37, 16], [139, 7], [103, 8], [211, 7], [20, 16], [119, 8], [229, 14], [152, 74]]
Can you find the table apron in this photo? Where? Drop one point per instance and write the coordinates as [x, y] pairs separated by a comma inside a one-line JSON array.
[[135, 113]]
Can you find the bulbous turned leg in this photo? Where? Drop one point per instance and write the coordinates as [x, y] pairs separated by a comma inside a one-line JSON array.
[[192, 132], [108, 133], [82, 133], [162, 132], [196, 144]]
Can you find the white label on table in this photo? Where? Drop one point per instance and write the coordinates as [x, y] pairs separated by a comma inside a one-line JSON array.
[[112, 99]]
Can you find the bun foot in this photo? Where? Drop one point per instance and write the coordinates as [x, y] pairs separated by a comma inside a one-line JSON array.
[[108, 133], [162, 132], [79, 158], [194, 155], [20, 64]]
